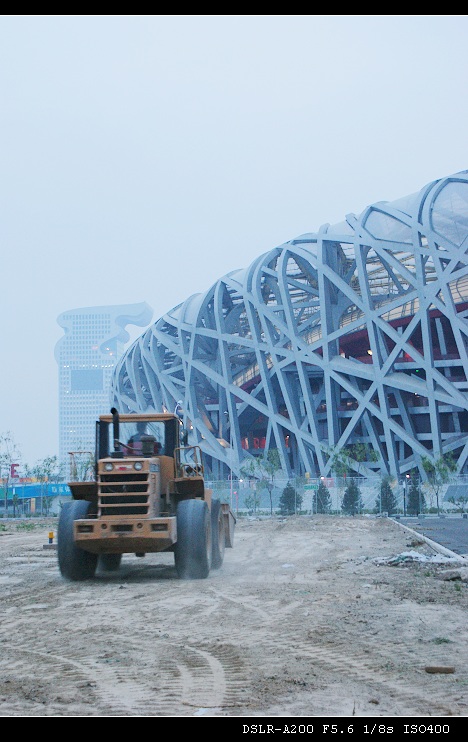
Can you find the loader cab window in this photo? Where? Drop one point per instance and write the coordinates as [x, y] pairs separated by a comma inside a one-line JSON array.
[[143, 439], [137, 437]]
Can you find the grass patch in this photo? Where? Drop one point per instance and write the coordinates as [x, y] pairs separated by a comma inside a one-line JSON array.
[[26, 526]]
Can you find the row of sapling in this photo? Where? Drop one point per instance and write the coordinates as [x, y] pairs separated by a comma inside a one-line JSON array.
[[44, 472], [439, 473], [264, 469]]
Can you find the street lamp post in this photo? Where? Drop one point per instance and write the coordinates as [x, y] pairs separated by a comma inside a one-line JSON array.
[[228, 422], [405, 484]]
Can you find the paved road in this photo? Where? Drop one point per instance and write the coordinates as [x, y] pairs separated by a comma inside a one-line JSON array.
[[450, 532]]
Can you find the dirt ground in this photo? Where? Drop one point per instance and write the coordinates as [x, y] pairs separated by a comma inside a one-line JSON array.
[[309, 616]]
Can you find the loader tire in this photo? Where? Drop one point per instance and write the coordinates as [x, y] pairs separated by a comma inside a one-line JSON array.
[[74, 563], [218, 537], [192, 550], [109, 562]]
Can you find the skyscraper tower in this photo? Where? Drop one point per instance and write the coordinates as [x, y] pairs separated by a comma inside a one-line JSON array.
[[94, 340]]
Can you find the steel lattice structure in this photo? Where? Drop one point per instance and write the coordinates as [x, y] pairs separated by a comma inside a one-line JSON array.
[[354, 334]]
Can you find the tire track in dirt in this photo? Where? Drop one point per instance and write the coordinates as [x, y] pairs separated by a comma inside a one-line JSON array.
[[20, 598], [115, 692], [212, 679], [248, 605], [375, 672], [185, 676]]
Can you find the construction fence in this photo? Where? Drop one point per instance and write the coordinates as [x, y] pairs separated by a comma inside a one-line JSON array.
[[252, 497], [266, 498]]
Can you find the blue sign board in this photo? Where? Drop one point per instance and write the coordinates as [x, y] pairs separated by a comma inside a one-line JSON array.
[[36, 490]]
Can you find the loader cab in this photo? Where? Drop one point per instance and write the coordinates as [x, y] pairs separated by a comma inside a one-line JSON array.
[[129, 435]]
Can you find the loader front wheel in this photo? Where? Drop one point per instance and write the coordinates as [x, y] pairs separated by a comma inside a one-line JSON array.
[[218, 538], [74, 563], [192, 550]]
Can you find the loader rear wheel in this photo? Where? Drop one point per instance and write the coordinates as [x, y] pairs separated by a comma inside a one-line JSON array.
[[109, 562], [192, 550], [74, 563], [218, 538]]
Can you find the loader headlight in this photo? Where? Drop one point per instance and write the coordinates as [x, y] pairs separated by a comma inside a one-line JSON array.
[[108, 466], [138, 465]]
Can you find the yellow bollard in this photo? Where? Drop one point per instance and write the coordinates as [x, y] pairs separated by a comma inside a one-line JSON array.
[[51, 544]]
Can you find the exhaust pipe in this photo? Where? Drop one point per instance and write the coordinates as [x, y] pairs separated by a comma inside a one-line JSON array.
[[116, 429]]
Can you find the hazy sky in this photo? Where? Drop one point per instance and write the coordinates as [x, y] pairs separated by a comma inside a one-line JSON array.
[[144, 156]]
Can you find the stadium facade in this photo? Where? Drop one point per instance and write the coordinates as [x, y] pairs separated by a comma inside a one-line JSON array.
[[355, 334]]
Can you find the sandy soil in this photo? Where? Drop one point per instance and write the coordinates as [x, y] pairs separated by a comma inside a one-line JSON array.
[[310, 616]]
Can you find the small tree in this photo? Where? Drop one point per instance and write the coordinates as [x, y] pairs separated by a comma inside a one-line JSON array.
[[45, 471], [439, 472], [271, 465], [416, 502], [322, 499], [81, 465], [249, 469], [352, 502], [351, 458], [340, 461], [361, 452], [386, 501], [340, 466], [459, 503], [290, 500], [263, 469], [252, 502], [9, 455]]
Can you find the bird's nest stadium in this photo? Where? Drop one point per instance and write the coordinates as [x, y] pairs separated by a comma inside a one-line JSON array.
[[355, 334]]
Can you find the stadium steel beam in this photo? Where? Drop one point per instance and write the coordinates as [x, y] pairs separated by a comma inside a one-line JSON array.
[[355, 334]]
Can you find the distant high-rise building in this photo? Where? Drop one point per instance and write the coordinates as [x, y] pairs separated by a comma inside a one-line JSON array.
[[94, 340]]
